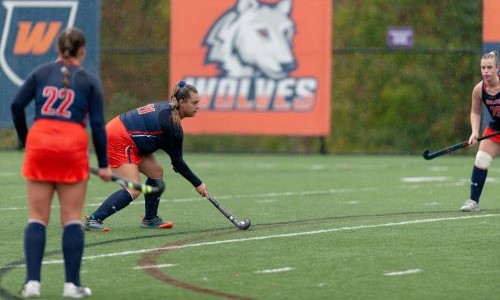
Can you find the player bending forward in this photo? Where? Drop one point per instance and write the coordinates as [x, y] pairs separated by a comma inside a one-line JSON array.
[[133, 137]]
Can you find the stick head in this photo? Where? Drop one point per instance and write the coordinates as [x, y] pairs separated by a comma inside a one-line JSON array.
[[245, 224], [426, 155]]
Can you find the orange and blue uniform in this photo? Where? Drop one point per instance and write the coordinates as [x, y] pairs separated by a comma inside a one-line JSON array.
[[144, 130], [492, 103], [57, 143]]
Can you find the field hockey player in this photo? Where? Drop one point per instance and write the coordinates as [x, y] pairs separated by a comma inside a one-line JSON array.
[[133, 137]]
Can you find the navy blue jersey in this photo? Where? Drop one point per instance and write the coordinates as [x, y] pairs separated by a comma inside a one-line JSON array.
[[84, 100], [151, 128], [492, 103]]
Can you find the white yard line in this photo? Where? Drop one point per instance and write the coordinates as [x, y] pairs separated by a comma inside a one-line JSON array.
[[266, 201], [267, 237], [285, 194], [398, 273], [52, 207], [263, 195], [266, 195], [278, 270], [425, 179]]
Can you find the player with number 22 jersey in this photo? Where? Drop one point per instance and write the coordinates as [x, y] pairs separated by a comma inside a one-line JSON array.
[[60, 112]]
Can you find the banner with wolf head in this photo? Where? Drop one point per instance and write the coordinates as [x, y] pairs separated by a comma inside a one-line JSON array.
[[29, 31], [260, 66]]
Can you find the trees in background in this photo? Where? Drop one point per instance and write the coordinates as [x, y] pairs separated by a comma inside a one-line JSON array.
[[384, 101]]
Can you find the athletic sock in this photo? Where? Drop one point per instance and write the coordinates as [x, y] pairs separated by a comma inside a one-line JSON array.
[[72, 246], [116, 202], [34, 247], [151, 201], [478, 178]]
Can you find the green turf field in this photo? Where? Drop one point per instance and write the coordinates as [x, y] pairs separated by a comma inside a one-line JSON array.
[[323, 227]]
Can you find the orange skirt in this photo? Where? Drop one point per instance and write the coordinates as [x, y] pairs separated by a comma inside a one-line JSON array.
[[121, 148], [495, 138], [56, 151]]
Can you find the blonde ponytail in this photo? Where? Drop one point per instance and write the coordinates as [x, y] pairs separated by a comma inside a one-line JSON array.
[[180, 92]]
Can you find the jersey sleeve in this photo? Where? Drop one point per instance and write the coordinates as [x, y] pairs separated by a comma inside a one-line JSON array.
[[96, 118], [174, 148], [22, 98], [180, 166]]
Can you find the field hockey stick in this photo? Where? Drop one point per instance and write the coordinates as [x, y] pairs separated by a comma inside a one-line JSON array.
[[448, 150], [242, 225], [143, 188]]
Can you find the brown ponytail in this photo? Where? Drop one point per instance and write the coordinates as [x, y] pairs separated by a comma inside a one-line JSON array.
[[69, 42]]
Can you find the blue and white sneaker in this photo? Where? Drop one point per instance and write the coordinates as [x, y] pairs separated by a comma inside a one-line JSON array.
[[94, 225], [156, 223]]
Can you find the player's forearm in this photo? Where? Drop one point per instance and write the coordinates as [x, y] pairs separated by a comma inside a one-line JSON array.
[[475, 122]]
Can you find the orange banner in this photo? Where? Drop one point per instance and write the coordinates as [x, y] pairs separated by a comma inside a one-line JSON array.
[[261, 67], [491, 21]]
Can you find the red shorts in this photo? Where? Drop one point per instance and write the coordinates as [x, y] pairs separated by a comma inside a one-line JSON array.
[[495, 138], [56, 151], [121, 147]]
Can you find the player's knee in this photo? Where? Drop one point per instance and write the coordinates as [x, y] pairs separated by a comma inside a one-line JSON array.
[[157, 171], [483, 160], [153, 171]]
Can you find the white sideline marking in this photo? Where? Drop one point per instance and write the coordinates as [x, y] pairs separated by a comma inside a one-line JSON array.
[[268, 195], [424, 179], [8, 174], [266, 201], [285, 269], [316, 167], [492, 180], [155, 266], [266, 237], [461, 182], [52, 206], [14, 208], [438, 168], [403, 272], [285, 194]]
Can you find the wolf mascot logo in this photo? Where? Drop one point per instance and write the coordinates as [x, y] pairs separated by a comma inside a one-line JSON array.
[[252, 46], [253, 40]]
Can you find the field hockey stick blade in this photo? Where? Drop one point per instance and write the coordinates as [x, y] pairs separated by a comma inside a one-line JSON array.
[[143, 188], [242, 225], [428, 156]]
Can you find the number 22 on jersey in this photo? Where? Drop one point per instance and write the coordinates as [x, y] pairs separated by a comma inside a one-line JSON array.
[[52, 94]]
